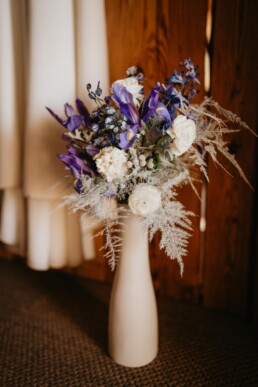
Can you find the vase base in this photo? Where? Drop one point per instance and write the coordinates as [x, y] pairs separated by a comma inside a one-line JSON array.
[[133, 362]]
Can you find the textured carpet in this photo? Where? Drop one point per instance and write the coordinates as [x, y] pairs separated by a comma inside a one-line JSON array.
[[53, 332]]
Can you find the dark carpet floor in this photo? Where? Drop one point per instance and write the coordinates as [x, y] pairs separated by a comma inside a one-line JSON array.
[[53, 332]]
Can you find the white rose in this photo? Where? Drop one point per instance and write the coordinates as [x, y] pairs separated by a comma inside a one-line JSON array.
[[132, 85], [183, 132], [111, 163], [144, 200]]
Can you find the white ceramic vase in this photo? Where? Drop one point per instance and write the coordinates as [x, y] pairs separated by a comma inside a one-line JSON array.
[[133, 318]]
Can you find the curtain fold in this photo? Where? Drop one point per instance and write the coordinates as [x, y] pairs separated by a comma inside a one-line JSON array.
[[9, 131], [91, 67], [51, 82], [11, 124], [63, 45], [12, 220], [91, 47]]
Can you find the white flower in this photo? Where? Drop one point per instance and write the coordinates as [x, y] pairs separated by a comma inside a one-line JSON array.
[[183, 132], [132, 85], [111, 163], [144, 200], [131, 70]]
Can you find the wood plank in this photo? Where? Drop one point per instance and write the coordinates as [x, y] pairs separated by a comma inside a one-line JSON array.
[[181, 34], [253, 310], [230, 201], [252, 306], [131, 31]]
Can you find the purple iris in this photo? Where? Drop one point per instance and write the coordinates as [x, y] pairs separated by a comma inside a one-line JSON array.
[[128, 137], [78, 162], [170, 94], [151, 103], [73, 121], [163, 113], [92, 150], [76, 165], [124, 99], [83, 111]]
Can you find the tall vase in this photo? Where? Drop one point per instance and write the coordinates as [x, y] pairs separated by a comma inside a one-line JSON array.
[[133, 319]]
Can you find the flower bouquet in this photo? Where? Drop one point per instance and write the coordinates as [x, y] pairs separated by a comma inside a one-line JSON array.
[[127, 159]]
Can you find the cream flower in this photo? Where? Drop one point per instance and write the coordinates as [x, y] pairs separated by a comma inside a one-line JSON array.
[[132, 85], [111, 163], [144, 200], [183, 132]]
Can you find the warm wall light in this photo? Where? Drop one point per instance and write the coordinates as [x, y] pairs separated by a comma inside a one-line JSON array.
[[207, 75], [202, 223], [207, 67], [209, 21], [207, 87]]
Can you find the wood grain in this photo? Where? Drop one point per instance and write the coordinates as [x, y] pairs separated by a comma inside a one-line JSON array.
[[131, 31], [181, 34], [230, 201]]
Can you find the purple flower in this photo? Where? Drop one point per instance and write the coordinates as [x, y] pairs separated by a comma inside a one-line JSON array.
[[76, 165], [107, 99], [128, 137], [73, 122], [102, 141], [170, 95], [151, 103], [83, 111], [124, 100], [191, 74], [188, 64], [171, 98], [151, 107], [177, 78], [92, 150], [79, 162], [192, 93], [162, 112], [98, 90]]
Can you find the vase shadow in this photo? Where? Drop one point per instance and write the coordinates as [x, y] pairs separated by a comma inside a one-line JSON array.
[[79, 300]]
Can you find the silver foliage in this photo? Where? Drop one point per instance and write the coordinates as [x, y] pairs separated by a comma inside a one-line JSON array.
[[171, 219]]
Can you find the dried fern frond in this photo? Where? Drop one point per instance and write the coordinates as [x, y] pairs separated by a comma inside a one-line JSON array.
[[229, 116], [173, 221], [211, 131]]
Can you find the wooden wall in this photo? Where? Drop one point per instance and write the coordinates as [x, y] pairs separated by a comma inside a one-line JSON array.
[[230, 251], [157, 35]]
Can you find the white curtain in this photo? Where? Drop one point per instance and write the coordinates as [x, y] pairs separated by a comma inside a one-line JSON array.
[[49, 50]]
